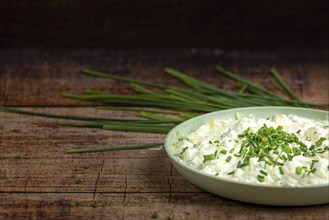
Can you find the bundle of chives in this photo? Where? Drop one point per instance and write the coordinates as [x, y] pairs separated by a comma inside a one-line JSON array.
[[175, 102]]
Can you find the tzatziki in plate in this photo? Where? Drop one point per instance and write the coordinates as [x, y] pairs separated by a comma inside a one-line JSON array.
[[280, 150]]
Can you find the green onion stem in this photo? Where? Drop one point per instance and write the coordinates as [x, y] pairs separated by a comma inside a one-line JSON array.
[[162, 130], [192, 82], [115, 148], [243, 81], [80, 118], [142, 90], [201, 86], [93, 92], [144, 101], [71, 117], [243, 88], [223, 104], [157, 117], [180, 106], [188, 115], [283, 85], [101, 124], [283, 101], [138, 110], [184, 95], [120, 78]]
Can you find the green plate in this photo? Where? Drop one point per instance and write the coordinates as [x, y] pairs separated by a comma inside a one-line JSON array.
[[252, 193]]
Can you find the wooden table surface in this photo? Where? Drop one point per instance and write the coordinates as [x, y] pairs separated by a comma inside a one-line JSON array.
[[37, 180]]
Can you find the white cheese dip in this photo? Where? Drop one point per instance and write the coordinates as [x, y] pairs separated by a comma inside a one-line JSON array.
[[283, 150]]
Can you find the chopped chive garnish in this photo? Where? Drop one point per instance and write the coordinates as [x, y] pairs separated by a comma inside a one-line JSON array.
[[223, 151], [299, 170], [283, 157], [183, 151], [264, 139], [287, 149], [263, 172], [261, 178], [281, 170], [267, 140], [87, 166], [209, 157], [320, 141], [313, 163], [231, 173], [240, 165], [312, 171], [228, 159]]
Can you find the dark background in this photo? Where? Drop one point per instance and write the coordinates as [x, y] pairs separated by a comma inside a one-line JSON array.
[[254, 24]]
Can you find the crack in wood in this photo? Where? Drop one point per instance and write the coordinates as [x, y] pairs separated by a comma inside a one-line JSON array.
[[170, 193], [124, 197], [170, 183], [125, 189], [96, 182]]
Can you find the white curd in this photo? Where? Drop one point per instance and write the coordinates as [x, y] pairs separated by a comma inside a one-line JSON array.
[[283, 150]]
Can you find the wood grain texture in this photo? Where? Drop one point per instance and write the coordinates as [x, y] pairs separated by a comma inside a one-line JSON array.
[[125, 171], [143, 206], [39, 181], [39, 77]]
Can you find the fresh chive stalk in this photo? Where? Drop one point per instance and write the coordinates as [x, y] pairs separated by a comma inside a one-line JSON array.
[[48, 115], [135, 128], [158, 117], [120, 78], [282, 84], [115, 148], [115, 108], [245, 82]]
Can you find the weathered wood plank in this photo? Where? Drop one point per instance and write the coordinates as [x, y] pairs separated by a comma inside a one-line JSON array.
[[144, 206], [39, 77], [44, 166]]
